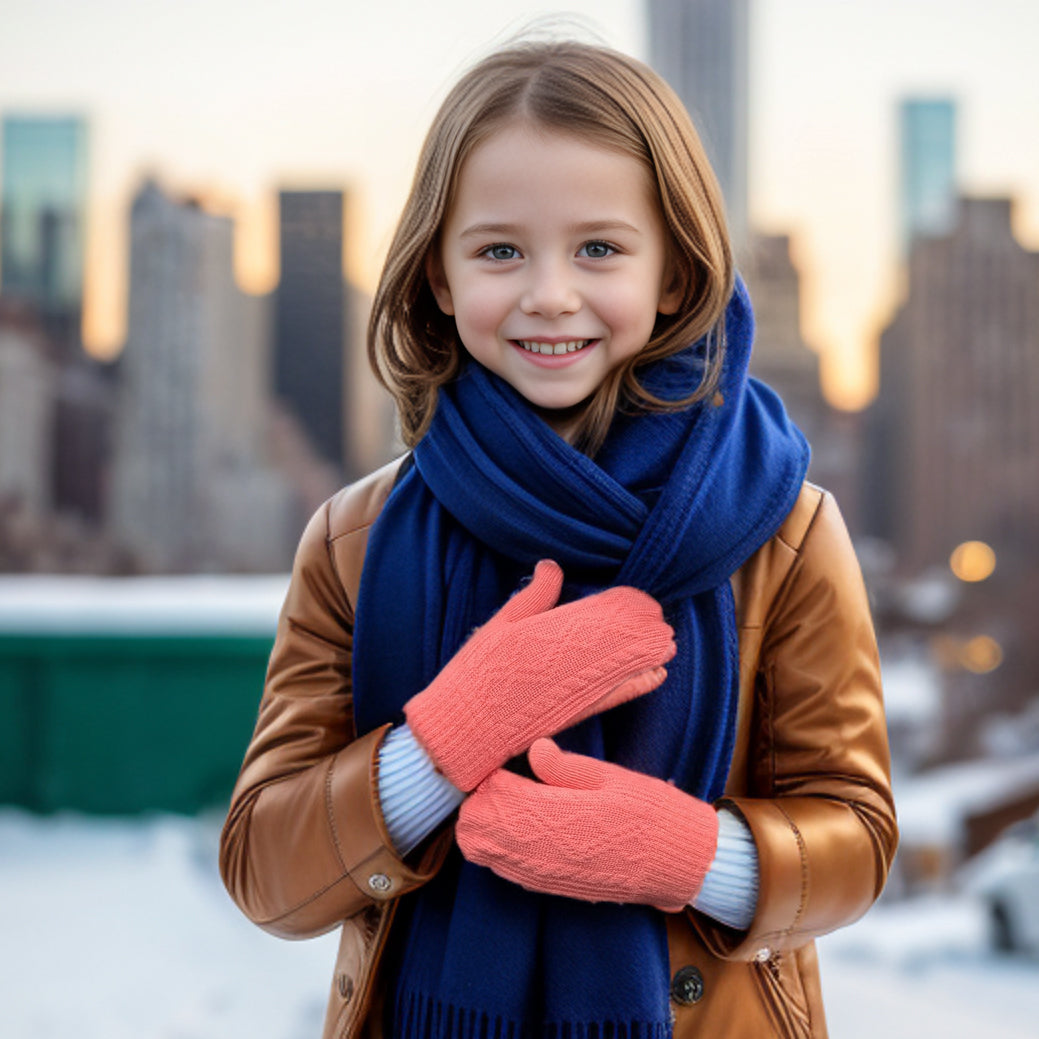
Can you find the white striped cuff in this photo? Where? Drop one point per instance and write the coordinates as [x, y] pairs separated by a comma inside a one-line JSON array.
[[730, 889], [415, 798]]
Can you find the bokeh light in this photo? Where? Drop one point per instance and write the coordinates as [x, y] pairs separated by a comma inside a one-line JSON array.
[[981, 654], [973, 561]]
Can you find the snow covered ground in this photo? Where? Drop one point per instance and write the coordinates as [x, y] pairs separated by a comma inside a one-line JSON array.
[[111, 929]]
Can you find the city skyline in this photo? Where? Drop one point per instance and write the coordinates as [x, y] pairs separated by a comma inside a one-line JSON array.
[[244, 101]]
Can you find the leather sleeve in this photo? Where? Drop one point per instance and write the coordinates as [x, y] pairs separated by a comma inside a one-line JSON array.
[[304, 846], [820, 810]]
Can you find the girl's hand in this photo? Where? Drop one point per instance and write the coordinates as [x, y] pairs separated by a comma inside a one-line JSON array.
[[535, 669], [590, 830]]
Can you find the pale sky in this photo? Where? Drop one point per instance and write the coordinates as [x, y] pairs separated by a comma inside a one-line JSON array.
[[233, 99]]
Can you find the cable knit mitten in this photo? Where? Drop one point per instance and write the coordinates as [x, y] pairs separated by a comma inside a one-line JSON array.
[[535, 669], [590, 830]]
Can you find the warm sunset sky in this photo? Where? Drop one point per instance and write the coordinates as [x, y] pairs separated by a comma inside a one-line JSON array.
[[233, 99]]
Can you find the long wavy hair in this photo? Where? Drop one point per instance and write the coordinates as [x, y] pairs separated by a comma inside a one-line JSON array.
[[610, 100]]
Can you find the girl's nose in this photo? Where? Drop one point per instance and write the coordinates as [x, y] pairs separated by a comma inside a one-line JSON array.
[[549, 293]]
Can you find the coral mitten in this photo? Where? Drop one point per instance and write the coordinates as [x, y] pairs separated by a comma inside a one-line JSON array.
[[535, 669], [590, 830]]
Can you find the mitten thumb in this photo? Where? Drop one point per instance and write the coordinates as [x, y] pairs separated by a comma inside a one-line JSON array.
[[542, 593], [560, 768]]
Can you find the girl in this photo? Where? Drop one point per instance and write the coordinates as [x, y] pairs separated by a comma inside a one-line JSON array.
[[567, 342]]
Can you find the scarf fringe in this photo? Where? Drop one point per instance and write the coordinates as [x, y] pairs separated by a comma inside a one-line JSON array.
[[425, 1017]]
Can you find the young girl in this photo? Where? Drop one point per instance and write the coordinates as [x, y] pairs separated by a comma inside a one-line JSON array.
[[573, 720]]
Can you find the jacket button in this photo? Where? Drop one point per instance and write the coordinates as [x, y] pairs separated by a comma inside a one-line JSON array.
[[345, 985], [763, 955], [380, 882], [687, 986]]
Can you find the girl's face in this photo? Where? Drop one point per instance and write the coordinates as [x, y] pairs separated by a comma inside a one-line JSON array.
[[553, 262]]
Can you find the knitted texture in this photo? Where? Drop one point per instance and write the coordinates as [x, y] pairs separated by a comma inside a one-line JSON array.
[[535, 669], [590, 830]]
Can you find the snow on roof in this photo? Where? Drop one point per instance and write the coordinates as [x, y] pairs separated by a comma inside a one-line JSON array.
[[932, 805], [231, 605]]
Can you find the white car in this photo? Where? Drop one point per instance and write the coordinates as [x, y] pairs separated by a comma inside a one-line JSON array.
[[1005, 876]]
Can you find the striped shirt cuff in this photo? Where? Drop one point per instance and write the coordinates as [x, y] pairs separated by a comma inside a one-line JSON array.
[[730, 889], [415, 798]]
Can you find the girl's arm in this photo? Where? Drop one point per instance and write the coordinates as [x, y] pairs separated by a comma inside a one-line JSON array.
[[304, 845], [819, 801]]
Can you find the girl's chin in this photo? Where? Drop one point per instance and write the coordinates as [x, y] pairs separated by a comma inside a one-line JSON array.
[[563, 419]]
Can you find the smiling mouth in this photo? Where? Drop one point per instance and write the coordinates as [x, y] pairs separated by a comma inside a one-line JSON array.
[[536, 346]]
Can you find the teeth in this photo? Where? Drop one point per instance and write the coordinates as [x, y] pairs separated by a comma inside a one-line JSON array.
[[553, 348]]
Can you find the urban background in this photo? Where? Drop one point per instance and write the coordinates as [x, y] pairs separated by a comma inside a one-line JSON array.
[[176, 404]]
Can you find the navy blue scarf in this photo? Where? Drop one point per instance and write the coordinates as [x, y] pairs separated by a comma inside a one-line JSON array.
[[673, 503]]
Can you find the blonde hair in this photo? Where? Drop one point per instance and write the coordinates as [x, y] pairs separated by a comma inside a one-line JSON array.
[[613, 101]]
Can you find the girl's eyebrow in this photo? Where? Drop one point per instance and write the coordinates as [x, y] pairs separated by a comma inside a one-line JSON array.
[[588, 227]]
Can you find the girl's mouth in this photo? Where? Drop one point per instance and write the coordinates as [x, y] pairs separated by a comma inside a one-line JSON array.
[[538, 346]]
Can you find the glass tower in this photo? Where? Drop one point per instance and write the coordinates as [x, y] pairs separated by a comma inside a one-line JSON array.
[[928, 168], [43, 182]]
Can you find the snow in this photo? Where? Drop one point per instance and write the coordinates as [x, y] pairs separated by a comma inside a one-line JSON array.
[[922, 968], [912, 692], [933, 805], [119, 929], [220, 604], [122, 930]]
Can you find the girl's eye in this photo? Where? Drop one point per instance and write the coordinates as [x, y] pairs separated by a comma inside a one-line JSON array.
[[596, 250], [501, 251]]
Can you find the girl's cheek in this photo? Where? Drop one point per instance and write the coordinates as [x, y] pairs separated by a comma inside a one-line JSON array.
[[486, 306]]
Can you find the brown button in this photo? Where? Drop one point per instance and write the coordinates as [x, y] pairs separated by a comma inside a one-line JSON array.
[[687, 986], [345, 985]]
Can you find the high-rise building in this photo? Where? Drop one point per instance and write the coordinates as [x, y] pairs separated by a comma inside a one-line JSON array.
[[959, 380], [189, 486], [310, 319], [780, 356], [927, 157], [958, 441], [43, 190], [701, 48], [83, 412], [783, 359], [27, 389]]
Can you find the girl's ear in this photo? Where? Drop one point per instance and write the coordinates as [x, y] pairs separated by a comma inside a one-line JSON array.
[[672, 290], [438, 281]]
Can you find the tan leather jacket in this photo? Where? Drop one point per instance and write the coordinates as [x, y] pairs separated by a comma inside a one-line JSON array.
[[304, 848]]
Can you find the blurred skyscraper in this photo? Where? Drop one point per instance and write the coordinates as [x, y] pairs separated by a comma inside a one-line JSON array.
[[781, 358], [701, 48], [190, 489], [928, 168], [42, 234], [310, 318], [959, 384], [43, 194], [27, 389]]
